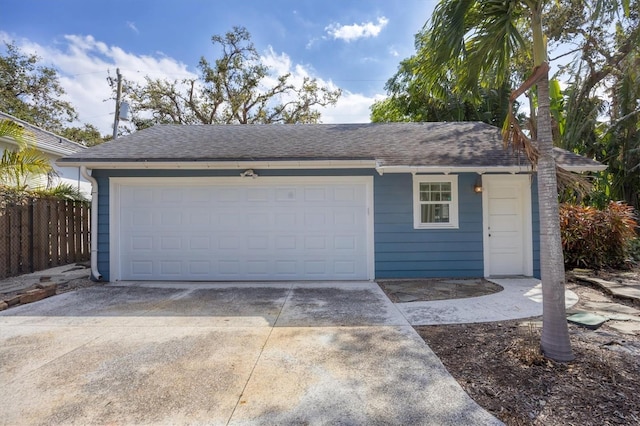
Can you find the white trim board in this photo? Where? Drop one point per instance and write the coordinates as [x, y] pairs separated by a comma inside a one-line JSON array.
[[524, 184]]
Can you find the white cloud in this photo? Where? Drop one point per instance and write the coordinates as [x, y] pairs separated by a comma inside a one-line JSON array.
[[352, 32], [132, 26], [83, 65], [350, 108]]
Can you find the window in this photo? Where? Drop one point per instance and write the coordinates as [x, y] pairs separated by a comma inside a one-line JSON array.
[[435, 202]]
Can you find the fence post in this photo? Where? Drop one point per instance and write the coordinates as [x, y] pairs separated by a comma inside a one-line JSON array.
[[14, 240], [39, 227], [32, 232], [55, 235], [4, 242], [25, 238]]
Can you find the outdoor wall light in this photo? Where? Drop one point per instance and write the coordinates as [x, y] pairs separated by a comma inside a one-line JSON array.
[[249, 173], [477, 187]]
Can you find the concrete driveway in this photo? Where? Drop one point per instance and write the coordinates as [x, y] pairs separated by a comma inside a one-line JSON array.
[[307, 353]]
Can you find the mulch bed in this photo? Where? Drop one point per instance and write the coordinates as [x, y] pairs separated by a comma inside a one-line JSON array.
[[499, 365]]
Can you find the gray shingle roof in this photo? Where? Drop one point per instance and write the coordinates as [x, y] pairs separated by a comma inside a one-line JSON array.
[[456, 144], [45, 140]]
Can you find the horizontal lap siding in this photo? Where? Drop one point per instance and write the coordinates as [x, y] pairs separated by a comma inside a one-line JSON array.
[[400, 250], [103, 224], [404, 252]]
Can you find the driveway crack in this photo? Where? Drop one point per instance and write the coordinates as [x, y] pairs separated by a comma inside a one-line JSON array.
[[239, 401]]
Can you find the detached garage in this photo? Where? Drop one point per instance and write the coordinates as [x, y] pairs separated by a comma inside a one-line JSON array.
[[313, 202], [242, 228]]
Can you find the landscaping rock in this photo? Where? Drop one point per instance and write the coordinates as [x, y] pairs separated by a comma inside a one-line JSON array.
[[587, 319], [49, 288], [3, 306], [32, 296], [13, 301], [609, 309], [626, 327], [617, 289]]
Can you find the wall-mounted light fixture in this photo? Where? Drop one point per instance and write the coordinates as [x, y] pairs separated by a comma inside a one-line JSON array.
[[249, 173], [477, 187]]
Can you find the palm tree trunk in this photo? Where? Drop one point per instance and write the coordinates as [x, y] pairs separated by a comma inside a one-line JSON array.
[[555, 342]]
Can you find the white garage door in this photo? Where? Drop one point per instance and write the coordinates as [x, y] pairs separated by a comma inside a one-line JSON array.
[[230, 229]]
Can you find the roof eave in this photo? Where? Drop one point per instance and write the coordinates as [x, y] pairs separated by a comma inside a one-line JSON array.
[[309, 164], [453, 169], [220, 165], [585, 168]]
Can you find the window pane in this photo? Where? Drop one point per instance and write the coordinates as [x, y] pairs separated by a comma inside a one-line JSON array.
[[435, 191], [434, 213], [425, 192]]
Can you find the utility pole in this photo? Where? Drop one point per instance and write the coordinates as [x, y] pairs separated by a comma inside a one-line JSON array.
[[116, 119]]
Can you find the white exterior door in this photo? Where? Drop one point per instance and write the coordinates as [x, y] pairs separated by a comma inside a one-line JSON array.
[[235, 229], [507, 225]]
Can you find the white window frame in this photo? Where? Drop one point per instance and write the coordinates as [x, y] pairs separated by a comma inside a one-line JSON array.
[[453, 204]]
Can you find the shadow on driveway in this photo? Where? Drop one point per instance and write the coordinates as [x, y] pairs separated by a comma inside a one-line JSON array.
[[281, 353]]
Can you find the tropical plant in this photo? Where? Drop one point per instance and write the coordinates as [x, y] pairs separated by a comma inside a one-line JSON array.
[[24, 166], [597, 238], [409, 101], [597, 113], [478, 39], [64, 191]]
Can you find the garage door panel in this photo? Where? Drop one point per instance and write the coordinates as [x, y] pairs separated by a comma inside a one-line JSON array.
[[197, 243], [171, 195], [238, 232]]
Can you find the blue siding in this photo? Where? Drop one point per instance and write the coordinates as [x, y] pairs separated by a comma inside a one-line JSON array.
[[400, 250], [404, 252]]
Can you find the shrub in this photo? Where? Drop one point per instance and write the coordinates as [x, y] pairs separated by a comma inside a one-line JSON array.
[[597, 238], [634, 250]]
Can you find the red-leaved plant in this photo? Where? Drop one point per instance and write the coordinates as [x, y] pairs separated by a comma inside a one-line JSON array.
[[595, 238]]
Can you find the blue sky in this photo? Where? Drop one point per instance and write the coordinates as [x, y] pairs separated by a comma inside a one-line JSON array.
[[355, 45]]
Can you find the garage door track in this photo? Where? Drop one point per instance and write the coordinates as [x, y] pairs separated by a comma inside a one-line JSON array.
[[278, 353]]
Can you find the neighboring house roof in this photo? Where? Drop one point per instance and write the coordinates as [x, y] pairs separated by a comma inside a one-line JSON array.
[[45, 140], [386, 146]]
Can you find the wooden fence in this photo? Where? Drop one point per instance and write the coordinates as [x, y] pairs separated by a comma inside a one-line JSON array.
[[41, 234]]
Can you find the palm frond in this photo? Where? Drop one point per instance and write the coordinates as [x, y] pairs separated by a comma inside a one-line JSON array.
[[17, 168]]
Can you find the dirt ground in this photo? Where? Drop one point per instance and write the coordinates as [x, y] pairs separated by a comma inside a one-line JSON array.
[[500, 367]]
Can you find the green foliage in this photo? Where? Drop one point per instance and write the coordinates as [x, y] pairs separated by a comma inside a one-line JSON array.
[[237, 88], [408, 101], [634, 249], [600, 106], [595, 238], [16, 196], [24, 166], [87, 135], [32, 92], [62, 191]]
